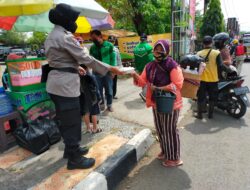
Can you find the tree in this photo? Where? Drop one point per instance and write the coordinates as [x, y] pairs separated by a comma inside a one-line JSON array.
[[198, 22], [12, 38], [121, 12], [149, 16], [213, 21], [37, 39], [152, 16]]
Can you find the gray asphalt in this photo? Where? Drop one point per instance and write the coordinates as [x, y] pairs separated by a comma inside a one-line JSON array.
[[216, 155]]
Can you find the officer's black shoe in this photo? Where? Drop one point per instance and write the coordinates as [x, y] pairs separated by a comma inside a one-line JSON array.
[[81, 151], [80, 163]]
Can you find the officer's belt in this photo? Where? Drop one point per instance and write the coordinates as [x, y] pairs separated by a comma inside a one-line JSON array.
[[65, 69]]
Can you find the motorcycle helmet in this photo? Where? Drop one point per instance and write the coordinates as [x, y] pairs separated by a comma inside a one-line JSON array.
[[220, 40], [235, 41], [191, 60]]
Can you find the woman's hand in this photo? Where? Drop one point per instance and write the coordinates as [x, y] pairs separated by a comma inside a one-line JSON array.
[[115, 71], [81, 71], [153, 87], [135, 76]]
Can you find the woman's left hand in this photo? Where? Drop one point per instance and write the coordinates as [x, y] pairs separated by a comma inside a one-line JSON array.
[[81, 71]]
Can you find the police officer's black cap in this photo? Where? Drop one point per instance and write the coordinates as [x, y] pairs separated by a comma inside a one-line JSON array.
[[61, 13], [207, 40]]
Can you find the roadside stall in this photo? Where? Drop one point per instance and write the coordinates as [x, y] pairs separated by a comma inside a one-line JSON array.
[[37, 130]]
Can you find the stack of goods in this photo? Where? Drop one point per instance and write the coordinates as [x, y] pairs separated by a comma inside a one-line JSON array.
[[192, 68], [24, 82], [28, 95]]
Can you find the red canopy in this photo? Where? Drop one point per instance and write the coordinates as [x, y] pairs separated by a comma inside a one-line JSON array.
[[7, 23]]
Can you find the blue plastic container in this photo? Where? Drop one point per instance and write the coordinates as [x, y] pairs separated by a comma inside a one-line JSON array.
[[5, 103]]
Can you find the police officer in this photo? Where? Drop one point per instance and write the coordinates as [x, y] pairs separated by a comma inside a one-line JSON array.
[[65, 55]]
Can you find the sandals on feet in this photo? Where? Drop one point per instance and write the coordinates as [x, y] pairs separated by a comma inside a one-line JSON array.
[[97, 131], [172, 163]]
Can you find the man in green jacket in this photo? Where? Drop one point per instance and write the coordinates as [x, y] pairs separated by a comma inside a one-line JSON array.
[[143, 54], [103, 51]]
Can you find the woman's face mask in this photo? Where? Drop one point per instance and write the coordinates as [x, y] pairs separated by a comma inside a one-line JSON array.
[[159, 53]]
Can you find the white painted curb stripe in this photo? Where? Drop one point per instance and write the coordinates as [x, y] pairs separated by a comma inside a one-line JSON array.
[[94, 181], [142, 141], [97, 181]]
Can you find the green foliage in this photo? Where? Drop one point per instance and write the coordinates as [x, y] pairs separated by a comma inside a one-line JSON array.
[[37, 39], [149, 16], [11, 38], [198, 22], [213, 21]]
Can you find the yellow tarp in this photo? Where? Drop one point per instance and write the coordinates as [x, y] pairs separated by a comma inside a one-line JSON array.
[[24, 7]]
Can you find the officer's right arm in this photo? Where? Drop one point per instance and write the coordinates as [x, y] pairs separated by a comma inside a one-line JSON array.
[[77, 52]]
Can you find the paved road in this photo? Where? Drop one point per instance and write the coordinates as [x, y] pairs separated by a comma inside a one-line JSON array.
[[216, 156], [130, 108]]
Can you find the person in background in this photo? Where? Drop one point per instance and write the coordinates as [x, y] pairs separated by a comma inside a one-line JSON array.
[[209, 78], [103, 51], [142, 56], [89, 101], [240, 53], [118, 62], [234, 45], [220, 43], [164, 74], [81, 43], [63, 84], [42, 52]]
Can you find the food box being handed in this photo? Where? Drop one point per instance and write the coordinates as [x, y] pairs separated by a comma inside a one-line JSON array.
[[191, 83], [25, 74], [127, 70]]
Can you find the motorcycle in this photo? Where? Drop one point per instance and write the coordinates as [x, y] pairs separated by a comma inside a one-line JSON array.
[[232, 96]]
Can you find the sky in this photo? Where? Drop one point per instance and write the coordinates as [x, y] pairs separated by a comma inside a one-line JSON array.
[[235, 8]]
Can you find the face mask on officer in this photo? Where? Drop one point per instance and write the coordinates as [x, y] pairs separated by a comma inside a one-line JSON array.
[[71, 26]]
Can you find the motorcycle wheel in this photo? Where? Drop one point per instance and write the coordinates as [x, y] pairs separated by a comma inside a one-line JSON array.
[[237, 107]]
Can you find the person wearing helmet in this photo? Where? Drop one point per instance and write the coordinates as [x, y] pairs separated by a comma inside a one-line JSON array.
[[65, 56], [142, 56], [209, 78], [234, 45], [220, 41]]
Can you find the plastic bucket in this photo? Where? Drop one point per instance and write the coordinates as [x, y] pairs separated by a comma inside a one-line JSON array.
[[164, 101]]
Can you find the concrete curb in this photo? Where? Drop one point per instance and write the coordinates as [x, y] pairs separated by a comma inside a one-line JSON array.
[[117, 167]]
